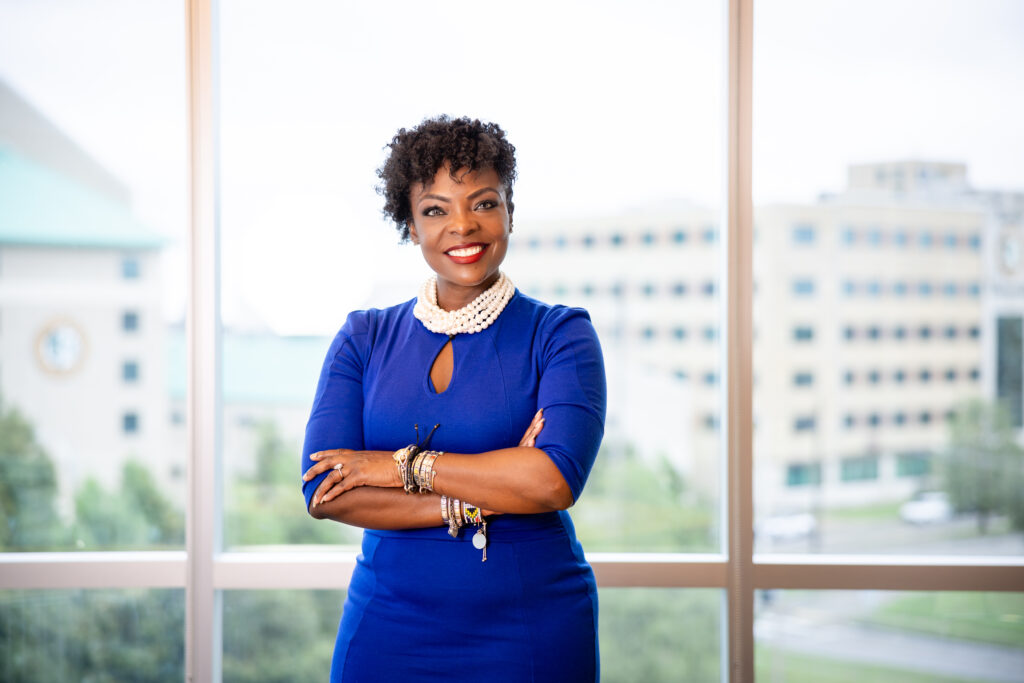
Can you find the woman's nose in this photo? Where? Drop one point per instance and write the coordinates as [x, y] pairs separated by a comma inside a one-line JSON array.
[[462, 222]]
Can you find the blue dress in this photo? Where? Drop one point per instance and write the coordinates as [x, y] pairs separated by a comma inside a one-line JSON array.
[[421, 606]]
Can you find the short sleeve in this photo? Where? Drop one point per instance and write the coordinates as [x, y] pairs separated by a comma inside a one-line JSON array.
[[573, 394], [336, 420]]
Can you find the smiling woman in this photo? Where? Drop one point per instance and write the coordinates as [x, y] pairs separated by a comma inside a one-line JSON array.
[[515, 392]]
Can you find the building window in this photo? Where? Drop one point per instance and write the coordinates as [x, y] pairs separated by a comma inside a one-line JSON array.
[[848, 377], [849, 333], [874, 376], [1009, 350], [899, 376], [950, 289], [130, 321], [710, 378], [899, 238], [617, 290], [804, 423], [924, 375], [130, 371], [899, 332], [587, 289], [849, 421], [617, 239], [588, 241], [711, 422], [649, 289], [533, 243], [974, 241], [874, 419], [925, 240], [560, 242], [924, 417], [130, 269], [924, 332], [899, 288], [950, 240], [803, 287], [915, 464], [679, 236], [975, 374], [924, 288], [874, 332], [950, 375], [899, 419], [710, 234], [874, 288], [849, 236], [710, 334], [849, 287], [803, 333], [863, 468], [974, 289], [708, 288], [874, 237], [803, 474], [678, 289], [648, 333], [803, 379], [804, 234], [950, 332], [130, 423], [974, 331], [679, 332], [648, 238]]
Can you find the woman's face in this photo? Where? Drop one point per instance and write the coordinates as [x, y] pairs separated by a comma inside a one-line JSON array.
[[462, 226]]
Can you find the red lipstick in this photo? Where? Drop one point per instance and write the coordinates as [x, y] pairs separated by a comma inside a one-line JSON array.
[[467, 253]]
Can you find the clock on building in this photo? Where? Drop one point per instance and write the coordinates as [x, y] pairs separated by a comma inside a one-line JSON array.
[[60, 347]]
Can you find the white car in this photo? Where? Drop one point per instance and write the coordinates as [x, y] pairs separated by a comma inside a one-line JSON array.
[[927, 507], [787, 526]]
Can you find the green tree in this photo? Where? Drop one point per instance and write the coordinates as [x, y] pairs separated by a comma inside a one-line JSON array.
[[267, 508], [984, 465], [136, 516], [28, 488]]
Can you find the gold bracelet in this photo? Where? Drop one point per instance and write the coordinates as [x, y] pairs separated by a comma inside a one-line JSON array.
[[425, 473]]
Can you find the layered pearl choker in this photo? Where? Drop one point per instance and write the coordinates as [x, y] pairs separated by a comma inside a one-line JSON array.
[[470, 319]]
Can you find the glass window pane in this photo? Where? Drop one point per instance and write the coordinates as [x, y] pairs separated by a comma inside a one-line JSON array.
[[289, 634], [92, 283], [907, 212], [92, 635], [888, 636], [616, 210]]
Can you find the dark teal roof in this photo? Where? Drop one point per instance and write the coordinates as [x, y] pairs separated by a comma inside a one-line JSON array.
[[40, 207], [258, 368]]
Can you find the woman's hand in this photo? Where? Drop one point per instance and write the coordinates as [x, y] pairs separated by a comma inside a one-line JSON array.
[[349, 470], [530, 436]]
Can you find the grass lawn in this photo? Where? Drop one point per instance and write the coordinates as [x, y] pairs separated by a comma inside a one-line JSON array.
[[865, 512], [996, 618], [773, 666]]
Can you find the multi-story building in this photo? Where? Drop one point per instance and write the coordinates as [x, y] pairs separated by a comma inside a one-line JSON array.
[[877, 313], [81, 332]]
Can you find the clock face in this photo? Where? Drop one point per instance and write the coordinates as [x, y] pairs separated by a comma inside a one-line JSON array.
[[60, 348]]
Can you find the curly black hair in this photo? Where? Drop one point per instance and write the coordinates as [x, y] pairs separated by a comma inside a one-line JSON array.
[[417, 155]]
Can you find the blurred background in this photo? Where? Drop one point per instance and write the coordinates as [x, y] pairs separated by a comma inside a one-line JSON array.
[[888, 302]]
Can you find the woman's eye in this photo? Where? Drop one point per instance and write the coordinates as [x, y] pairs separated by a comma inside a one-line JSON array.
[[487, 204], [433, 211]]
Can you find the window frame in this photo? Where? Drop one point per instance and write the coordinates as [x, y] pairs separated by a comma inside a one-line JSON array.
[[204, 568]]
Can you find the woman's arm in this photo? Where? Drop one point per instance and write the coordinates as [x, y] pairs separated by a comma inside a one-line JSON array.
[[477, 478]]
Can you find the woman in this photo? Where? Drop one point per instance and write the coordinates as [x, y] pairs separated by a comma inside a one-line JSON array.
[[456, 428]]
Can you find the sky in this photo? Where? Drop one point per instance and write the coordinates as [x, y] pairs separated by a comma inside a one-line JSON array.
[[612, 106]]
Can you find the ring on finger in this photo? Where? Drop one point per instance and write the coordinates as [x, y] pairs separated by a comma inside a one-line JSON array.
[[338, 466]]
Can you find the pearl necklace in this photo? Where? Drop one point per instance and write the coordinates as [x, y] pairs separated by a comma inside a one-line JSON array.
[[471, 318]]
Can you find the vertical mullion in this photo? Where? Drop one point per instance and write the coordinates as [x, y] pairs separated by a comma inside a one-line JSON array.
[[739, 343], [202, 613]]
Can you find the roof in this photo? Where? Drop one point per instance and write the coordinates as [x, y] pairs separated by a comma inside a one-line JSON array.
[[40, 207], [257, 368]]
